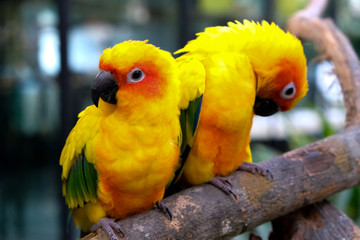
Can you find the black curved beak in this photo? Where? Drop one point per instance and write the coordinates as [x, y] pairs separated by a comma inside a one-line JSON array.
[[265, 107], [104, 87]]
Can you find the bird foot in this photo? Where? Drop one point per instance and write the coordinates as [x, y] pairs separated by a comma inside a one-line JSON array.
[[255, 169], [108, 224], [223, 184], [164, 208]]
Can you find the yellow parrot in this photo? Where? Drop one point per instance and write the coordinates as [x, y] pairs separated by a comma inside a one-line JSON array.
[[250, 69], [123, 150]]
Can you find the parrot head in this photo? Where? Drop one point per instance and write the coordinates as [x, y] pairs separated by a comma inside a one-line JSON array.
[[277, 58], [282, 86], [279, 65], [133, 74]]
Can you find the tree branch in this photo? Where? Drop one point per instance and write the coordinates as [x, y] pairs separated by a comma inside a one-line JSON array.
[[318, 221], [314, 9], [334, 46], [301, 177]]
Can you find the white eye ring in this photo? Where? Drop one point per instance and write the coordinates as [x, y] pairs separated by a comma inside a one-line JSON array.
[[136, 75], [288, 91]]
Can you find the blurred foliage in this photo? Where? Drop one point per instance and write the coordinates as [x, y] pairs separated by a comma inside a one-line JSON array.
[[300, 139], [348, 201], [261, 152], [348, 17], [284, 9]]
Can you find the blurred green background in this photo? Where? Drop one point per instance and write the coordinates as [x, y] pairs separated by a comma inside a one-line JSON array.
[[49, 52]]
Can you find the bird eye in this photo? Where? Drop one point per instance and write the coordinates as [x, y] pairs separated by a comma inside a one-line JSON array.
[[136, 75], [288, 91]]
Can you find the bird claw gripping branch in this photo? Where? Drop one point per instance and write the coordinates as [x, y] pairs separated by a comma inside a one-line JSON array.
[[164, 208], [255, 169], [223, 184], [108, 224]]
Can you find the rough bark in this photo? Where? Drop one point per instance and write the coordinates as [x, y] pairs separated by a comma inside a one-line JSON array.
[[301, 177], [318, 221]]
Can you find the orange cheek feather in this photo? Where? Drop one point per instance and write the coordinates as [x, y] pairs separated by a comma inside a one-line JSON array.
[[284, 77], [151, 86]]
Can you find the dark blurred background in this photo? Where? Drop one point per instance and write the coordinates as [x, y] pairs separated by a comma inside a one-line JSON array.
[[49, 52]]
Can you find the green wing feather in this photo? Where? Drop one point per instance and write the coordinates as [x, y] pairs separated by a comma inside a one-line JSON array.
[[79, 174], [189, 121], [91, 177], [81, 184]]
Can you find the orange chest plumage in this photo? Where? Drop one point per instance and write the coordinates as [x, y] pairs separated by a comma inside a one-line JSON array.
[[222, 135], [134, 164], [223, 144]]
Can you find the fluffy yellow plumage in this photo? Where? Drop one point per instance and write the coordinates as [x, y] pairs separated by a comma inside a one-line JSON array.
[[271, 52], [121, 154], [249, 68]]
